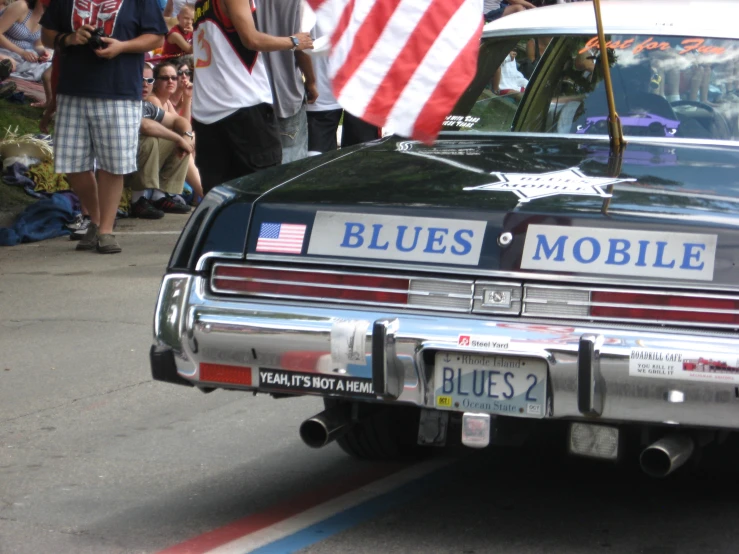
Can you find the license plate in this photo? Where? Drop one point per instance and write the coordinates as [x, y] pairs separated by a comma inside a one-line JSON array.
[[506, 385]]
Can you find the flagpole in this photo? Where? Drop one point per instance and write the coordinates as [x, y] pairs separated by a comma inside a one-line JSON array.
[[615, 131]]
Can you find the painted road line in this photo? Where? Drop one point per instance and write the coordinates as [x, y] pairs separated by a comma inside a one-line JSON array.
[[351, 503], [352, 516], [284, 510]]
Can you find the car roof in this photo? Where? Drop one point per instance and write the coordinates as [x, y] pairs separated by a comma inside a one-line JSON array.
[[701, 18]]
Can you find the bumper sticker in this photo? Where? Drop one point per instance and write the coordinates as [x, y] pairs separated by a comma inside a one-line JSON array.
[[484, 342], [683, 365], [619, 252], [293, 381]]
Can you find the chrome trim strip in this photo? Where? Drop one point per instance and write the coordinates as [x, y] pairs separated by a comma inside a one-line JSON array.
[[646, 141], [489, 273], [691, 294], [205, 258]]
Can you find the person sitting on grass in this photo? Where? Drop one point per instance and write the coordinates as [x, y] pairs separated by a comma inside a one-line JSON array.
[[165, 145], [179, 38], [20, 40]]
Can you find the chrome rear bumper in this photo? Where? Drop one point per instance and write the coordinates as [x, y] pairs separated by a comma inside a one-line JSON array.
[[588, 365]]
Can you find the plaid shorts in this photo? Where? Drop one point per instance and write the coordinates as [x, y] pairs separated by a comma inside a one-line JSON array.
[[96, 132]]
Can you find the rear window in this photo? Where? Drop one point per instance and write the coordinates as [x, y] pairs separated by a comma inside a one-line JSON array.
[[664, 86]]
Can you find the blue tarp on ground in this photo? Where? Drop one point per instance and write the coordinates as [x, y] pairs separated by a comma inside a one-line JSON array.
[[41, 220]]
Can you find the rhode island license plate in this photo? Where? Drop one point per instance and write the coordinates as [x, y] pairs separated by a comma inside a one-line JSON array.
[[506, 385]]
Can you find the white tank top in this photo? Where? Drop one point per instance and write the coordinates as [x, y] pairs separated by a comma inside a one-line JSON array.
[[228, 76]]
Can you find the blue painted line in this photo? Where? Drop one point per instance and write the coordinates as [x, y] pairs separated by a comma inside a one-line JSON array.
[[345, 520]]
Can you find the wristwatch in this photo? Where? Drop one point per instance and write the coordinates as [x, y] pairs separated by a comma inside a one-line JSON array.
[[296, 43], [189, 134]]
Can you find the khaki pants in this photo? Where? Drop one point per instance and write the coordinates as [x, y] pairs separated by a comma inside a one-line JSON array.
[[159, 167]]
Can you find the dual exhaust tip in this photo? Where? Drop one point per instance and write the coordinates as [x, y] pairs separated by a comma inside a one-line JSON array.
[[657, 460], [327, 426], [667, 454]]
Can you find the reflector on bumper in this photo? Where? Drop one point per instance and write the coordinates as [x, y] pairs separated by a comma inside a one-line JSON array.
[[593, 441]]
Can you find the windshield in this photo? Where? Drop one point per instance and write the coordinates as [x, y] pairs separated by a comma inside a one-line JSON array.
[[672, 87]]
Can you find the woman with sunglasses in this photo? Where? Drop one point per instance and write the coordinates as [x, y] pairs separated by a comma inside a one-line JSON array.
[[166, 83], [182, 96]]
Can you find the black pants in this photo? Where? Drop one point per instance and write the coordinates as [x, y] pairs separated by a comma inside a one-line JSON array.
[[244, 142], [322, 130]]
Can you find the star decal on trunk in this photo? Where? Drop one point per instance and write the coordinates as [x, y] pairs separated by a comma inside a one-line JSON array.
[[528, 186]]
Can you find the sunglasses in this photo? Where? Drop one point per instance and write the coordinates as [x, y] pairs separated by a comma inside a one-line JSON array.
[[182, 72], [167, 78], [149, 80]]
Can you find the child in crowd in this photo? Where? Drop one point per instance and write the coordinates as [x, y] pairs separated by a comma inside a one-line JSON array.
[[179, 38]]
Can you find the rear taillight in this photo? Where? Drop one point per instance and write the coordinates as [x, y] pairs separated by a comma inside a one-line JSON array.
[[663, 307], [631, 306], [308, 284]]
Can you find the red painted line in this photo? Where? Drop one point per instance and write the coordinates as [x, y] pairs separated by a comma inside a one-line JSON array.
[[288, 508]]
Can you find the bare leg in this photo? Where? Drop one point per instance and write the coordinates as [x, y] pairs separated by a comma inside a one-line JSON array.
[[496, 80], [46, 81], [110, 189], [193, 177], [85, 187]]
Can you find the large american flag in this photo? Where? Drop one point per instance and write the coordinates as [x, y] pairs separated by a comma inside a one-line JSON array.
[[286, 238], [401, 64]]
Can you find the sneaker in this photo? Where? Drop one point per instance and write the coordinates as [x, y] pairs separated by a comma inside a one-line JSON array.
[[7, 89], [145, 210], [108, 245], [169, 206], [81, 230], [6, 68], [90, 239]]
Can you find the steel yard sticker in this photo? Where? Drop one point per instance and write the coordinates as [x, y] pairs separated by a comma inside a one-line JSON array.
[[484, 342], [619, 252], [528, 186], [409, 239], [683, 365]]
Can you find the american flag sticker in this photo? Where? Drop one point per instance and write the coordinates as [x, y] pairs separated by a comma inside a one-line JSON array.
[[286, 238]]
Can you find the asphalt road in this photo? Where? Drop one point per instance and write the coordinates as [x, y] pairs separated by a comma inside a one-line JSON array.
[[95, 457]]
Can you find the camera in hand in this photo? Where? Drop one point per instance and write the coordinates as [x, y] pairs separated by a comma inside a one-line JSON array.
[[96, 36]]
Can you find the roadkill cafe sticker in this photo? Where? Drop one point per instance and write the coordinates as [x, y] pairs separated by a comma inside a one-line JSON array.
[[528, 186], [293, 381], [683, 365]]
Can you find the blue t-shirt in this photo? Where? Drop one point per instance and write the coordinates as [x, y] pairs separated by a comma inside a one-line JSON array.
[[81, 72]]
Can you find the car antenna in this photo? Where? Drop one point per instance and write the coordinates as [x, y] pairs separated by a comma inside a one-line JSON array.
[[615, 130]]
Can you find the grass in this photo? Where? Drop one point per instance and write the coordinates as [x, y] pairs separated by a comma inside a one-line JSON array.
[[26, 119]]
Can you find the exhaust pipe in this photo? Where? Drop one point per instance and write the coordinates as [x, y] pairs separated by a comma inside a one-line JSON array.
[[666, 455], [327, 426]]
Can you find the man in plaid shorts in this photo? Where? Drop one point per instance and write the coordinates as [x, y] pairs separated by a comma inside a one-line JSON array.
[[102, 45]]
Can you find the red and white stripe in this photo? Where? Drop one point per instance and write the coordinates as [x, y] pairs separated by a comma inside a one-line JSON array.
[[401, 64]]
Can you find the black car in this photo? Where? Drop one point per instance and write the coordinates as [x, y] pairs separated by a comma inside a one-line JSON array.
[[516, 273]]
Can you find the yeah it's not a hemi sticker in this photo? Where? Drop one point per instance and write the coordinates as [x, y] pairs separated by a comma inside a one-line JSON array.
[[608, 251], [408, 239]]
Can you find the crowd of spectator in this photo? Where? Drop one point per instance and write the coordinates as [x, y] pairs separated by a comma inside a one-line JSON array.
[[171, 137]]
